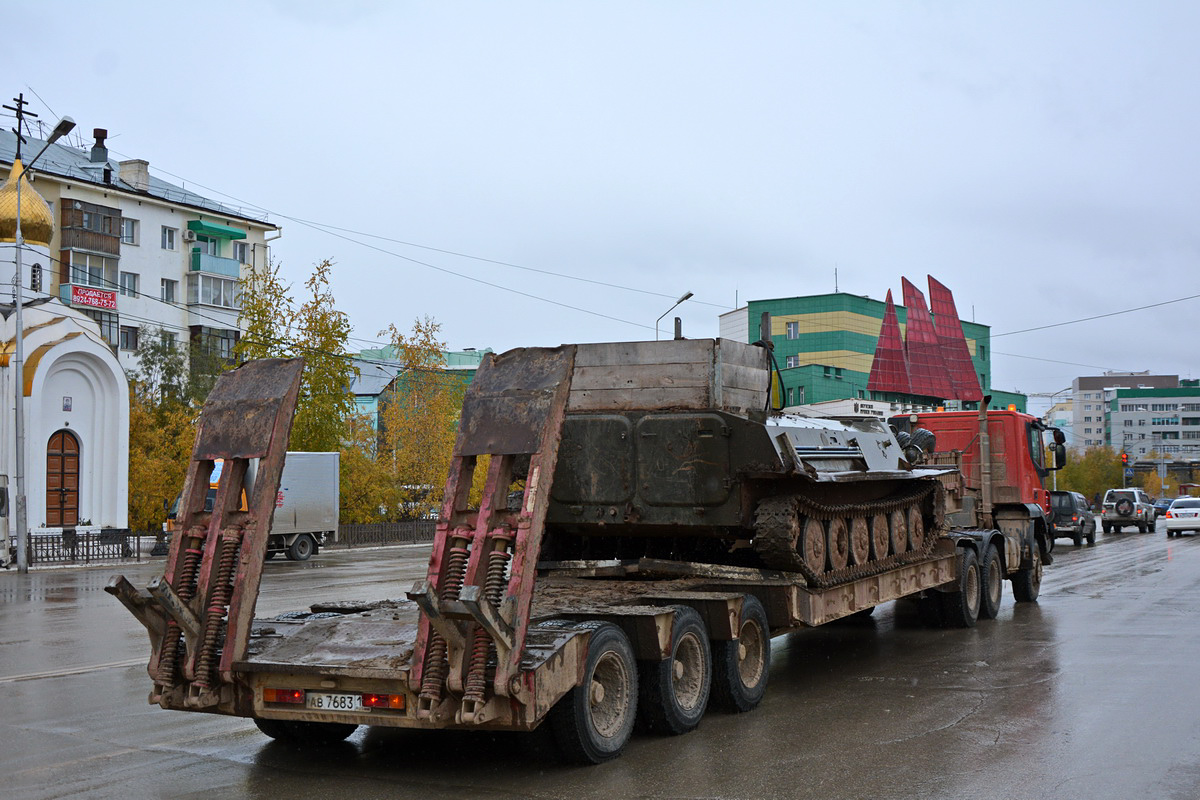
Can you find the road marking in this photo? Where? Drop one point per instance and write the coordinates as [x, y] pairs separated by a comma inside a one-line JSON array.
[[59, 673]]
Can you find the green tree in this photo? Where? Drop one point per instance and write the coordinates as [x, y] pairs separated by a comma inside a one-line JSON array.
[[321, 333], [419, 419], [275, 327], [163, 405], [1091, 473]]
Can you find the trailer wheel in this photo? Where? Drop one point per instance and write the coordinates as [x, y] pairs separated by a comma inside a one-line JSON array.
[[301, 549], [741, 666], [991, 573], [674, 691], [1027, 583], [593, 721], [961, 609], [305, 733]]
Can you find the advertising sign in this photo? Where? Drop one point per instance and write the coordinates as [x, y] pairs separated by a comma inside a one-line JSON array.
[[97, 298]]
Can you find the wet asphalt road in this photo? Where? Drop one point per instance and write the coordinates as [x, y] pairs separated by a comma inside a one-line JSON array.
[[1090, 693]]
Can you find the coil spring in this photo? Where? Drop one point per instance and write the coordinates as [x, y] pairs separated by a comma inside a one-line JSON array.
[[433, 675], [170, 659], [222, 592], [493, 591]]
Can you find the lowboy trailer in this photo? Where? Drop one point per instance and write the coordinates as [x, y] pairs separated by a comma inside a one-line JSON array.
[[647, 525]]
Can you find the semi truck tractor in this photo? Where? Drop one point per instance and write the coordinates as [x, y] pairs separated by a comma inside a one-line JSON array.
[[648, 523]]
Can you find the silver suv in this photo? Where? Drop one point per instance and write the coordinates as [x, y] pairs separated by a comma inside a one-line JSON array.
[[1124, 507]]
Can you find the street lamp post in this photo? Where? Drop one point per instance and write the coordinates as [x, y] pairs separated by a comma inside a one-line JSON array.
[[687, 296], [64, 126]]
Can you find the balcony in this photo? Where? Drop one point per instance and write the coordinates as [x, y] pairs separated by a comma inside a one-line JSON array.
[[217, 265]]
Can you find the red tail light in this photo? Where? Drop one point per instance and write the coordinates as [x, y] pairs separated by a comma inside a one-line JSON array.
[[392, 701], [283, 696], [1169, 515], [1074, 518]]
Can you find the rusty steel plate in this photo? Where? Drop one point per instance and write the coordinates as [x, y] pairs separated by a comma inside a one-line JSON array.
[[239, 416], [510, 399]]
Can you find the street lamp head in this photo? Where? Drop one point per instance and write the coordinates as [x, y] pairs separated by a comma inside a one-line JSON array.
[[64, 126], [687, 296]]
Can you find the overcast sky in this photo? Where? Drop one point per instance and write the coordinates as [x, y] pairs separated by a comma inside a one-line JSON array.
[[1038, 158]]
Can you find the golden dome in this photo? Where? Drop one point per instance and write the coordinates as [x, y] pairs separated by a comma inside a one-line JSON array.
[[37, 221]]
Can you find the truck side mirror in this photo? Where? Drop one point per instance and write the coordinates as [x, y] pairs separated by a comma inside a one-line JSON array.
[[1060, 456]]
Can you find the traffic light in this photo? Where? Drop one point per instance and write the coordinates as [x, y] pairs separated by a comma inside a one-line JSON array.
[[1124, 459]]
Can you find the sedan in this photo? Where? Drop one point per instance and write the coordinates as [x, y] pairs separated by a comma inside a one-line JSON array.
[[1183, 515]]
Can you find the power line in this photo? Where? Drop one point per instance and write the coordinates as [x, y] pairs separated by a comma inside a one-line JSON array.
[[1097, 316]]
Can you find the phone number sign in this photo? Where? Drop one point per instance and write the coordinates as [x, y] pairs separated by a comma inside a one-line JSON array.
[[97, 298]]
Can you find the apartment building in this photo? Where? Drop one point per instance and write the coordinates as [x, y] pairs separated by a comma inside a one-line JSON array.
[[1091, 404], [137, 254]]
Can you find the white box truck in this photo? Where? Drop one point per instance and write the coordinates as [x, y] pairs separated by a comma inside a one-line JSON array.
[[306, 507]]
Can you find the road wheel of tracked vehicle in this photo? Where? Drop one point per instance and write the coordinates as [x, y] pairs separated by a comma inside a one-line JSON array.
[[305, 733], [812, 544], [593, 722], [860, 540], [1027, 583], [898, 532], [916, 529], [961, 609], [991, 575], [674, 691], [741, 666], [879, 537], [838, 543]]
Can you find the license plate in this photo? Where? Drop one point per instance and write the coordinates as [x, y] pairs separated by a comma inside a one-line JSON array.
[[328, 701]]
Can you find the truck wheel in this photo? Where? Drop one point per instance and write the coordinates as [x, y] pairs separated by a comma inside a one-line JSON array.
[[301, 548], [594, 720], [991, 573], [961, 609], [674, 691], [1027, 583], [306, 733], [741, 666]]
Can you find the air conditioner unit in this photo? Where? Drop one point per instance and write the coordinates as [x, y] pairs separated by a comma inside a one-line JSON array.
[[189, 236]]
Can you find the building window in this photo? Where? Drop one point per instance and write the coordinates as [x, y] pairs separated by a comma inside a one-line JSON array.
[[35, 277], [791, 361], [107, 322], [168, 238], [791, 394], [169, 289], [241, 253], [837, 373], [129, 231], [793, 330], [1087, 419], [827, 372], [129, 337], [1087, 430], [1141, 423], [1164, 406], [1128, 423], [218, 341], [982, 351], [92, 270], [129, 284], [1191, 420], [213, 291]]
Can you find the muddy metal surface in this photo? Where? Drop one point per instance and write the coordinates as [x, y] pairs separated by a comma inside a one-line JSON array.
[[1091, 693]]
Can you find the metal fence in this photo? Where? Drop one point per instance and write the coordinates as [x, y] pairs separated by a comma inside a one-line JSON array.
[[83, 547], [416, 531]]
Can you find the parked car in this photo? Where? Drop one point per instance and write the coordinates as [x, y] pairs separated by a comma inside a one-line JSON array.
[[1161, 505], [1124, 507], [1071, 516], [1183, 515]]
